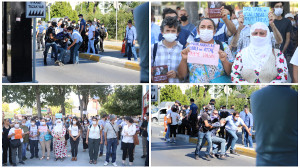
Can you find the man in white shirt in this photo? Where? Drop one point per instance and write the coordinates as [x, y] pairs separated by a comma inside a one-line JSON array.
[[77, 41], [16, 135], [91, 35], [111, 140]]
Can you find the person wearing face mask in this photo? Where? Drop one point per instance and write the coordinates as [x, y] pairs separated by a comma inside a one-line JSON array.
[[85, 128], [259, 62], [199, 73], [34, 140], [248, 120], [127, 141], [94, 140], [183, 18], [77, 41], [44, 131], [91, 36], [67, 122], [74, 132], [145, 134], [50, 42], [103, 35], [82, 28], [111, 140], [25, 138], [16, 135], [155, 29], [130, 40], [58, 133], [62, 45], [167, 51], [241, 39], [6, 142], [232, 124]]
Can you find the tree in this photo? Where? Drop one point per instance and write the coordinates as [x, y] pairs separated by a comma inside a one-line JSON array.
[[62, 9], [171, 93], [125, 100]]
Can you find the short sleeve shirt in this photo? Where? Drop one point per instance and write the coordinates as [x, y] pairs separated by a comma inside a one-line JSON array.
[[91, 31], [74, 130], [77, 36], [193, 109], [203, 118], [111, 130], [82, 22], [294, 59], [284, 26], [233, 125]]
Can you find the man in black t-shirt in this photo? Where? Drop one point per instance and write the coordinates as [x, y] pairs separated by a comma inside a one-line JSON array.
[[145, 134], [50, 41], [204, 124]]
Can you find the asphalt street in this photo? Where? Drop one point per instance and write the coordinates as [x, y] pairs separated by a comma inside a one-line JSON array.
[[83, 158], [86, 71], [182, 154]]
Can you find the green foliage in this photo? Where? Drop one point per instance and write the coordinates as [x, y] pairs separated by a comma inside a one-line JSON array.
[[125, 100], [295, 87], [61, 9], [171, 93]]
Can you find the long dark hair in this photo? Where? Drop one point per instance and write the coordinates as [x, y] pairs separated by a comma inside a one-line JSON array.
[[129, 119], [77, 122]]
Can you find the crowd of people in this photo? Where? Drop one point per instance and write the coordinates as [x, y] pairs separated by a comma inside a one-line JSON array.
[[65, 35], [257, 53], [216, 127], [46, 134]]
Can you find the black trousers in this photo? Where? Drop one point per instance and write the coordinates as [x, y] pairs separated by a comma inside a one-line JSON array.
[[6, 148], [101, 39], [85, 146], [173, 130], [74, 146], [147, 158], [34, 148], [128, 148], [193, 121], [95, 45]]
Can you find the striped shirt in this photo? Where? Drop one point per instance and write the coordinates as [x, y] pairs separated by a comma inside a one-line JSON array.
[[167, 56], [33, 132]]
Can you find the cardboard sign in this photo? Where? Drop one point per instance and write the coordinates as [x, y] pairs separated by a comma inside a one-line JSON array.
[[18, 133], [214, 10], [206, 54], [58, 115], [256, 14], [159, 74]]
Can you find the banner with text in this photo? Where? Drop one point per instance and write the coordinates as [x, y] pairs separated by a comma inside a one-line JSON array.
[[256, 14]]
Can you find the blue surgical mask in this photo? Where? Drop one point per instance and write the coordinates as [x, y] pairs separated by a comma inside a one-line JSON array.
[[222, 21], [88, 24]]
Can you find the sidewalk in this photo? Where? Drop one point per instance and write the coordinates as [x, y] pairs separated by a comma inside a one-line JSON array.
[[112, 55]]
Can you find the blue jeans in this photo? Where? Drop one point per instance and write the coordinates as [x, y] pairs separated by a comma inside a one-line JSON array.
[[24, 146], [111, 148], [218, 143], [74, 52], [91, 45], [54, 48], [201, 135], [232, 139], [131, 51], [102, 145], [63, 53], [247, 138], [167, 136]]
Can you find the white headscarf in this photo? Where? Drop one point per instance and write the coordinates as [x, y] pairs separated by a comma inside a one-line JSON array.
[[259, 49], [59, 127]]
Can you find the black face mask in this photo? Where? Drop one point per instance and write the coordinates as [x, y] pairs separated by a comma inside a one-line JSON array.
[[183, 18]]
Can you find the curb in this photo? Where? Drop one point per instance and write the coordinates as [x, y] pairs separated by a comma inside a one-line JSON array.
[[111, 61], [119, 48], [238, 149]]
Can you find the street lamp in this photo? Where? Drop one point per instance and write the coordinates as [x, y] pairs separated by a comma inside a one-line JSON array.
[[49, 5]]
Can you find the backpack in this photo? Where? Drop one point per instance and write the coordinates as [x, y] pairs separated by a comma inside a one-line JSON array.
[[155, 50], [102, 32], [98, 126]]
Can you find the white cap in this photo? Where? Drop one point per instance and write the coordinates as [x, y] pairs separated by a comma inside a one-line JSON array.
[[289, 15]]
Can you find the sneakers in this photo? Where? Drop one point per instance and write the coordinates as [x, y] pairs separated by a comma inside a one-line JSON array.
[[232, 151], [143, 156], [114, 164], [174, 141], [207, 157], [105, 163], [222, 156], [196, 157]]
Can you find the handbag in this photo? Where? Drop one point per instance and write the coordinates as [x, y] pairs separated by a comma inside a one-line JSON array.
[[169, 120], [136, 139], [48, 137], [15, 143], [221, 79]]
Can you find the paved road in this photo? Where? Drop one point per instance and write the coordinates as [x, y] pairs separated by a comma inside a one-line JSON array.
[[85, 72], [83, 158], [182, 154]]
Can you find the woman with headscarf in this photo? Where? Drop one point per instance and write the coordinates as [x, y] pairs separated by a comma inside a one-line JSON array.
[[58, 133], [259, 62], [201, 73]]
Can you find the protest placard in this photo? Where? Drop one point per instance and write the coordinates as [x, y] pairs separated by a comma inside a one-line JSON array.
[[256, 14], [58, 115], [206, 54], [214, 10], [18, 133], [159, 74]]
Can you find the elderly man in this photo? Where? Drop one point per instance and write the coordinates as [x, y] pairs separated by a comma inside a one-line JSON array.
[[247, 117], [111, 139]]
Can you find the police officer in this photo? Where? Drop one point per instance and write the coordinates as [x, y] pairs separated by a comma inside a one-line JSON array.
[[40, 34]]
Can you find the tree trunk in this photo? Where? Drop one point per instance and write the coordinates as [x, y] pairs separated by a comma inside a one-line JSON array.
[[62, 90], [80, 101], [38, 100], [192, 9]]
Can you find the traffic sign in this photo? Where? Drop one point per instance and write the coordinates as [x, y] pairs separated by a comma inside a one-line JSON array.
[[154, 94], [35, 9]]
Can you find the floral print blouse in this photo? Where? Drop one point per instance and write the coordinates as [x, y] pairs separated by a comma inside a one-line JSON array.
[[280, 64]]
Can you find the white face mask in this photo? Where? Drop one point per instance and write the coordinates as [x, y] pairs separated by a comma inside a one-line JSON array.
[[32, 123], [37, 120], [236, 118], [278, 11], [85, 122], [258, 41], [17, 125], [94, 122], [170, 37], [235, 22], [74, 122], [206, 35], [145, 118], [43, 123]]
